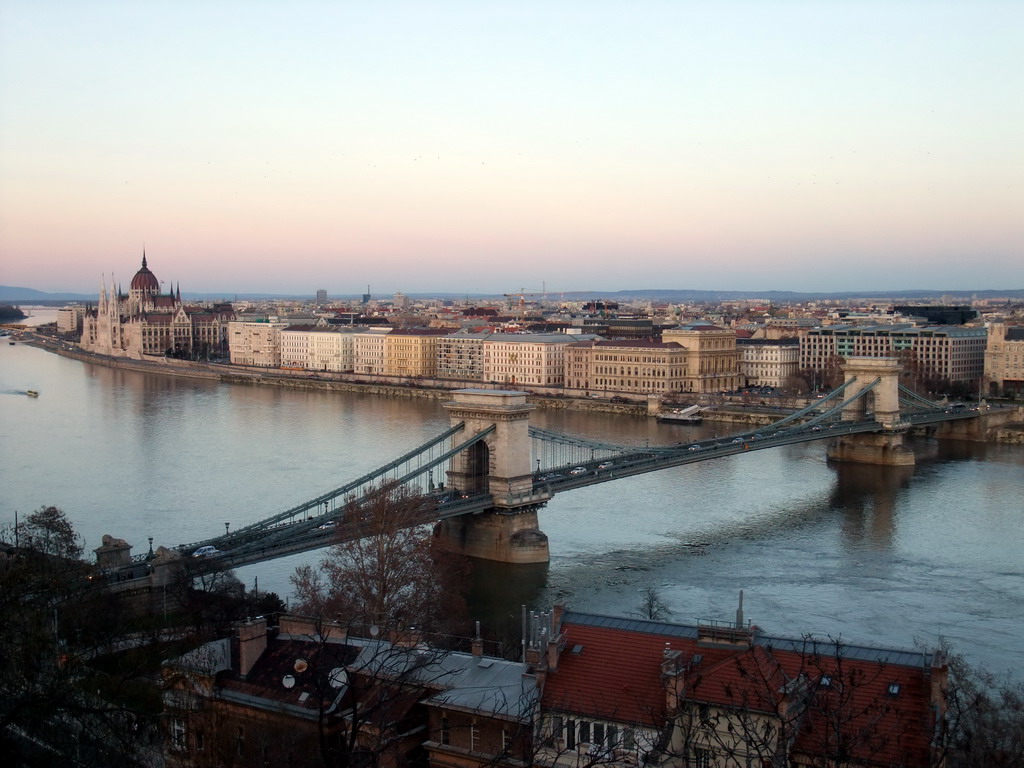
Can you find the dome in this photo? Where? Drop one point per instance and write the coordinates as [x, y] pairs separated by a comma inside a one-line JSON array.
[[145, 280]]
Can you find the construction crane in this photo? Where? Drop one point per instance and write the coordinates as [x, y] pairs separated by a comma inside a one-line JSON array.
[[523, 293]]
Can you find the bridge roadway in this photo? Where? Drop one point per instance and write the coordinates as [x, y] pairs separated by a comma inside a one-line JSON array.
[[318, 531]]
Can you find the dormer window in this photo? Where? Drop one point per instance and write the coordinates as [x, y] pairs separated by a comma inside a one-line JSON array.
[[825, 681], [894, 689]]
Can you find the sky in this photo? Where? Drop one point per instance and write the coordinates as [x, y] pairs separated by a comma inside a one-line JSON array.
[[496, 147]]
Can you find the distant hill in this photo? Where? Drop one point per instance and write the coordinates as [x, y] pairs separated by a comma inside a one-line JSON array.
[[10, 294], [32, 296]]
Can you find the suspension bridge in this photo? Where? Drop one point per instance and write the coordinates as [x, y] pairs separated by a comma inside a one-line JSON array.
[[483, 480]]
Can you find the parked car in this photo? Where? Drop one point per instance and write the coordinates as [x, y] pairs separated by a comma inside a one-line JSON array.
[[207, 551]]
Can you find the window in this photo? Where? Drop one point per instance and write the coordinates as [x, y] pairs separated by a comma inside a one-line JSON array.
[[702, 758], [446, 731], [474, 736], [178, 734]]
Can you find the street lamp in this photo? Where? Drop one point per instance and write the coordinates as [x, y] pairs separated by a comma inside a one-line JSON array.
[[226, 526], [150, 547], [538, 466]]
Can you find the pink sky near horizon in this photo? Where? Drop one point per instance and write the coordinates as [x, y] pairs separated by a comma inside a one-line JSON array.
[[484, 149]]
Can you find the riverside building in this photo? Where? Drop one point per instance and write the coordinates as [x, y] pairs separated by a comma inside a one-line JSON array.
[[1004, 361], [939, 352], [146, 322]]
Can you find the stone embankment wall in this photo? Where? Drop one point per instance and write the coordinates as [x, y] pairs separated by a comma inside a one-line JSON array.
[[752, 411]]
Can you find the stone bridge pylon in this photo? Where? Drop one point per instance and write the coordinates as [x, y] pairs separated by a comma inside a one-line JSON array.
[[499, 464], [883, 402]]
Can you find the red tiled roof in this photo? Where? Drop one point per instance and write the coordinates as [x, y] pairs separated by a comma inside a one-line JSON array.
[[751, 678], [616, 675]]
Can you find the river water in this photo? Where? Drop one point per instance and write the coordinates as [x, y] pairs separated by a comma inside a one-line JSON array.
[[891, 557]]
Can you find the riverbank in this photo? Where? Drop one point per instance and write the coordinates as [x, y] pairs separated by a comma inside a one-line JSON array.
[[752, 415]]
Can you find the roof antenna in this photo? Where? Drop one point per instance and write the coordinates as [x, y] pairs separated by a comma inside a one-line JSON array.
[[739, 613]]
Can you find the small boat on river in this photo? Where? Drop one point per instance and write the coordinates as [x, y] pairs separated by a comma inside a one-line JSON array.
[[32, 393]]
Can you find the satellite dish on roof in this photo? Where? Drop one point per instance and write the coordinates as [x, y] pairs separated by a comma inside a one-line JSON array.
[[288, 681], [338, 677], [374, 630]]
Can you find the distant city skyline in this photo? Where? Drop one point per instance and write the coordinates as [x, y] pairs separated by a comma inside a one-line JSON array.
[[261, 147]]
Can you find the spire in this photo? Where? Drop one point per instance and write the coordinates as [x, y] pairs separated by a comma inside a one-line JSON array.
[[143, 256]]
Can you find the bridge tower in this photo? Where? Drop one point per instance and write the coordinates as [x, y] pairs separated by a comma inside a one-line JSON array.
[[499, 465], [887, 446]]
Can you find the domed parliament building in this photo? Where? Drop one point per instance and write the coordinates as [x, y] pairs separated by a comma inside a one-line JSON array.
[[145, 322]]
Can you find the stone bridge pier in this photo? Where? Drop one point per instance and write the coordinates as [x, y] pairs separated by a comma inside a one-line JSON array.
[[499, 465], [883, 404]]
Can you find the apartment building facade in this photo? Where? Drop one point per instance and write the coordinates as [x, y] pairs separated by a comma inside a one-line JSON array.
[[1004, 361], [941, 353], [640, 367], [256, 343], [714, 365], [412, 352], [536, 359], [768, 362]]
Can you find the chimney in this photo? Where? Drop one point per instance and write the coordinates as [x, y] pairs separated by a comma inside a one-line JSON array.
[[673, 675], [252, 642], [939, 683], [478, 642]]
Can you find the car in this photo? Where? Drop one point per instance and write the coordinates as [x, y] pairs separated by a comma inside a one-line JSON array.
[[606, 464], [816, 428], [328, 525], [695, 448], [737, 440], [207, 551], [578, 471], [552, 476]]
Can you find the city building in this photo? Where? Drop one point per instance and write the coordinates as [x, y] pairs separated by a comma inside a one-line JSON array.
[[307, 691], [531, 359], [256, 343], [69, 319], [147, 322], [412, 352], [714, 365], [368, 351], [321, 297], [768, 362], [936, 355], [716, 695], [636, 367], [460, 356], [1004, 361]]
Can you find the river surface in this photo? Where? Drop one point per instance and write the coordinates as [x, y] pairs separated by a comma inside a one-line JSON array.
[[891, 557]]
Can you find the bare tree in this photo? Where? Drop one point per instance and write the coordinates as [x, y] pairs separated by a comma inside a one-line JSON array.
[[985, 718], [812, 705], [392, 575], [651, 606], [57, 705]]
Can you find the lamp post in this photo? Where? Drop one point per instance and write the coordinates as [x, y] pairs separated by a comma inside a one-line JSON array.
[[150, 556], [226, 526]]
